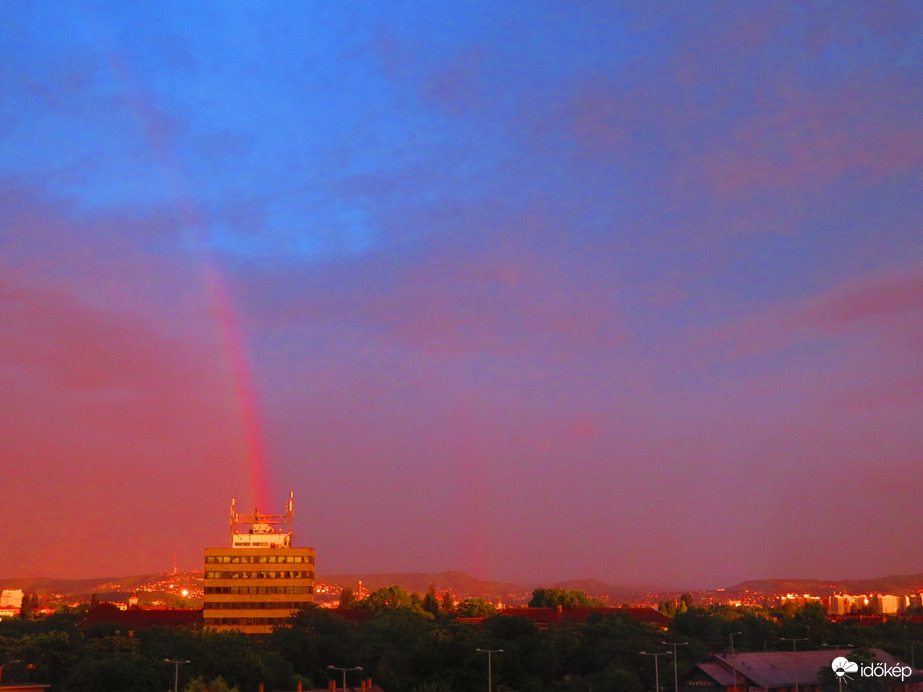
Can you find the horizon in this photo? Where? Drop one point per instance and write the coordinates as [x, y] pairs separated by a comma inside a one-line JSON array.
[[539, 289], [527, 584]]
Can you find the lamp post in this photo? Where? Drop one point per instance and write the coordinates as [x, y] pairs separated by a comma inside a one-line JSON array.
[[732, 641], [176, 672], [344, 672], [732, 653], [675, 663], [839, 678], [837, 646], [794, 656], [656, 668], [489, 652]]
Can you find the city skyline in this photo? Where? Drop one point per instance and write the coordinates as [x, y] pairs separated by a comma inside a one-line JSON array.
[[535, 291]]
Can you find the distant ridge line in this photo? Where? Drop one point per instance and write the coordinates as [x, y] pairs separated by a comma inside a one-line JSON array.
[[895, 584], [463, 583]]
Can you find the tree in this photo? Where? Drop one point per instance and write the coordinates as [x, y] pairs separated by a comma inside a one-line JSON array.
[[389, 647], [667, 608], [347, 598], [25, 609], [552, 598], [387, 597], [448, 603], [318, 637], [216, 685], [430, 601], [619, 680], [475, 608]]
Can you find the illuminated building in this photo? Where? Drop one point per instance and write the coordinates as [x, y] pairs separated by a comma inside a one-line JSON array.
[[257, 583], [885, 604]]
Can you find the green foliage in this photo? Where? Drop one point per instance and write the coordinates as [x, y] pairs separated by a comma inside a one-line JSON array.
[[347, 598], [552, 598], [407, 649], [387, 598], [475, 608], [317, 638], [431, 601], [28, 606], [50, 654], [618, 680], [392, 643], [218, 684], [123, 673], [667, 608]]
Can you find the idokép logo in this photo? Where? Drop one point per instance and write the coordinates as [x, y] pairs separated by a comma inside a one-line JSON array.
[[842, 666]]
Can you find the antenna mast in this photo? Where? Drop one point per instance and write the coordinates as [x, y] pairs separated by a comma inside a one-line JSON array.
[[263, 530]]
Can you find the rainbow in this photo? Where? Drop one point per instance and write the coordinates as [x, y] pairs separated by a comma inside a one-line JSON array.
[[233, 343], [235, 350]]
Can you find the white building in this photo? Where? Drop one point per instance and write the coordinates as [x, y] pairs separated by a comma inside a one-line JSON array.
[[11, 598]]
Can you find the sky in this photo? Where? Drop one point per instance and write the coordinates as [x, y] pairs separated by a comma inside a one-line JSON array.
[[533, 290]]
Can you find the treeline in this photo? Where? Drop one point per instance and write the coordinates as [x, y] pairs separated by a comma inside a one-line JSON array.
[[416, 643]]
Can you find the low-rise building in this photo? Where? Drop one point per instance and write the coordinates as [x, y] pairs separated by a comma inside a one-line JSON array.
[[136, 617], [781, 671]]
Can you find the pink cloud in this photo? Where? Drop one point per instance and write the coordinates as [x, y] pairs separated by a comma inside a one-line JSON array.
[[886, 307], [463, 300], [728, 111], [799, 135], [74, 346], [852, 350], [808, 137]]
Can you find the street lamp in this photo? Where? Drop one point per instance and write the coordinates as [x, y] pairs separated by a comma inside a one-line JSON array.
[[837, 646], [732, 641], [176, 672], [732, 653], [489, 652], [794, 654], [839, 678], [656, 669], [344, 672], [675, 663]]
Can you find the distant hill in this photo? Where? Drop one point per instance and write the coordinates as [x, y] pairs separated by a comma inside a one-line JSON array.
[[466, 586], [597, 588], [898, 585], [459, 583], [76, 586]]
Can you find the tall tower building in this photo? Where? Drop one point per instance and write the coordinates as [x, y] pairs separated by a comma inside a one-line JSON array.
[[259, 581]]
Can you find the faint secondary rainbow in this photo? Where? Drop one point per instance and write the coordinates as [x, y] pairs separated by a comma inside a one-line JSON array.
[[226, 317]]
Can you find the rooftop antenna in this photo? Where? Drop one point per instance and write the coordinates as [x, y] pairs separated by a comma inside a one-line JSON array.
[[263, 530]]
